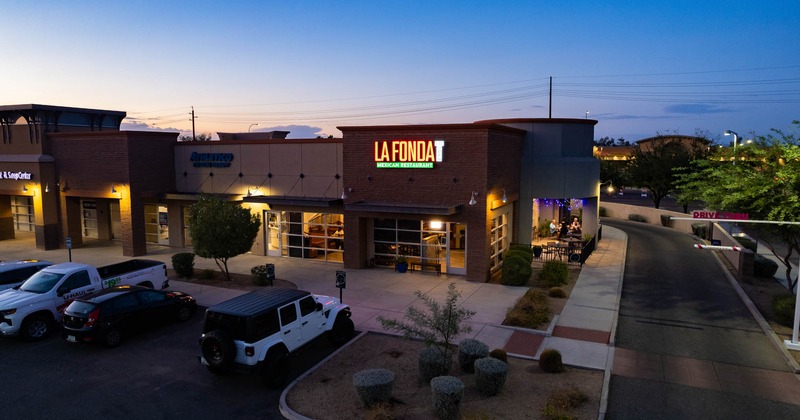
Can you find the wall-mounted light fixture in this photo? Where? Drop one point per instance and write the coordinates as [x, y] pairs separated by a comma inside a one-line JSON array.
[[113, 190], [472, 200], [505, 198], [350, 190], [47, 187], [24, 189]]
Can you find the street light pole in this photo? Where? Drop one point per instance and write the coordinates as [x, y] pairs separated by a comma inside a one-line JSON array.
[[735, 140], [251, 126]]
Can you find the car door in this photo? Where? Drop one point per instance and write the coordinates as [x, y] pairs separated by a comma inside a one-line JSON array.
[[76, 285], [291, 326], [311, 320], [125, 313], [156, 308]]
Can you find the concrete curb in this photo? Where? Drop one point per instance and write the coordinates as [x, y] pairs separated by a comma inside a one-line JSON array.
[[612, 335]]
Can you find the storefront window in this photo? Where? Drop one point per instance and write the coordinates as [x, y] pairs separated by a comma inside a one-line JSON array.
[[313, 235], [419, 241], [22, 212], [499, 241]]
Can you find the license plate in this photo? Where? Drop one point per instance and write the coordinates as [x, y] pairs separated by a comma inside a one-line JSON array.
[[71, 339]]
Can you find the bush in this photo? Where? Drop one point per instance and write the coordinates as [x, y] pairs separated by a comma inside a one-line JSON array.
[[550, 361], [447, 393], [554, 273], [747, 243], [490, 376], [666, 220], [499, 354], [562, 400], [763, 266], [374, 385], [433, 362], [259, 273], [470, 350], [208, 274], [637, 218], [783, 307], [516, 271], [557, 292], [530, 311], [526, 255], [183, 264], [523, 248], [602, 212]]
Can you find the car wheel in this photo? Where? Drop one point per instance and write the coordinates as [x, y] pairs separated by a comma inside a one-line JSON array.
[[275, 371], [35, 327], [185, 312], [112, 337], [218, 350], [343, 330]]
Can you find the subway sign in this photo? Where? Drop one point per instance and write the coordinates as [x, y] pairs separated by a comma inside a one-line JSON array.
[[408, 153]]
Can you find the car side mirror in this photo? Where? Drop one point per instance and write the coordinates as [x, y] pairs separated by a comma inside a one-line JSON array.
[[319, 306]]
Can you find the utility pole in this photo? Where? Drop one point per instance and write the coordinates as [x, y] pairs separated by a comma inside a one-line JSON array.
[[550, 115], [193, 117]]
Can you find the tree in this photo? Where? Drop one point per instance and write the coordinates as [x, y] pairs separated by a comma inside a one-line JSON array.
[[199, 137], [614, 171], [764, 183], [656, 166], [221, 230], [439, 325]]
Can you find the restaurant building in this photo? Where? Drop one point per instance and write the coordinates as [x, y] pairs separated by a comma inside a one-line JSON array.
[[448, 197]]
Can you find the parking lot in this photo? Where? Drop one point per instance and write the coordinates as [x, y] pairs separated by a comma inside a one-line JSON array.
[[154, 374]]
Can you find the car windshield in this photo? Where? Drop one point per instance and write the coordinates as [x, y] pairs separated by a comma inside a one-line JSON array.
[[80, 307], [41, 282]]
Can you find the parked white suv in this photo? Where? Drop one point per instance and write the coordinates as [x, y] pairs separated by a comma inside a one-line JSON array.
[[256, 332]]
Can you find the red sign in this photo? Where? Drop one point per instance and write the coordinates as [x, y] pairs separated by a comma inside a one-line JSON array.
[[721, 215]]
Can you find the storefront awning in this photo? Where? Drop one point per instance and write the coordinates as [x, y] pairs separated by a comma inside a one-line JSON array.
[[193, 196], [403, 208], [276, 201]]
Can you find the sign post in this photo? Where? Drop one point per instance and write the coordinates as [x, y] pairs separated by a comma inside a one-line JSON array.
[[69, 247], [270, 269], [341, 282]]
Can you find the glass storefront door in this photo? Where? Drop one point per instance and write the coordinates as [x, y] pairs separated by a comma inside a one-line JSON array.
[[457, 248], [273, 233]]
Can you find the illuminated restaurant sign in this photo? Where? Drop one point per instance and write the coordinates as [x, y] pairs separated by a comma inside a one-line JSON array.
[[211, 160], [408, 153], [721, 215], [15, 175]]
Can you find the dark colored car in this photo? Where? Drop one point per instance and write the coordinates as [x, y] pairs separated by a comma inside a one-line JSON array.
[[107, 316]]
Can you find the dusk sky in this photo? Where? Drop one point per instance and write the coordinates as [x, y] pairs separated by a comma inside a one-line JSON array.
[[639, 68]]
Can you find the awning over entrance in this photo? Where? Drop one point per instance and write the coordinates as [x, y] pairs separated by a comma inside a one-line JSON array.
[[406, 208], [277, 201]]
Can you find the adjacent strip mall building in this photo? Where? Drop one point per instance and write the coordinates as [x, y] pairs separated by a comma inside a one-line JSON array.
[[456, 195]]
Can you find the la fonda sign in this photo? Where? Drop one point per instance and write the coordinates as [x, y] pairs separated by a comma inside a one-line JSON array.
[[408, 153]]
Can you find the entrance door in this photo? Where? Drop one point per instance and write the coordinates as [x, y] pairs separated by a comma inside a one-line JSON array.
[[456, 248], [273, 233]]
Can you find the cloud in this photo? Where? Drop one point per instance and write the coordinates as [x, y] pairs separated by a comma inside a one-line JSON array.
[[297, 131], [695, 109], [136, 125], [612, 116]]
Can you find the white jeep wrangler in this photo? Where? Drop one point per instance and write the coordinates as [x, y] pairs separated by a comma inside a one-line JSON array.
[[257, 331]]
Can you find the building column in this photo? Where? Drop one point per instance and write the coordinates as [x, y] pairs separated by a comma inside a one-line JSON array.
[[6, 218], [131, 209]]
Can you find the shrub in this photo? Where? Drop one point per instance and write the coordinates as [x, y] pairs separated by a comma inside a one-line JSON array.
[[490, 376], [526, 255], [207, 274], [433, 363], [700, 229], [554, 273], [747, 243], [380, 411], [550, 361], [516, 271], [544, 229], [530, 311], [499, 354], [259, 273], [562, 400], [557, 292], [447, 393], [470, 350], [783, 307], [183, 264], [602, 212], [523, 248], [763, 266], [637, 218], [666, 220], [374, 385]]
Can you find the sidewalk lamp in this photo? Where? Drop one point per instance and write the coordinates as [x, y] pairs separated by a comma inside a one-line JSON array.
[[735, 140], [609, 188], [251, 126]]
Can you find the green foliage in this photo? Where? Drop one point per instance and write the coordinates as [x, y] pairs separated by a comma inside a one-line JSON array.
[[550, 361], [637, 218], [374, 386], [666, 220], [523, 248], [701, 230], [438, 325], [556, 292], [530, 310], [259, 274], [221, 230], [490, 376], [499, 354], [562, 400], [544, 229], [470, 350], [183, 264], [433, 363], [747, 243], [447, 393], [602, 212], [763, 266], [554, 273], [516, 270], [783, 307], [207, 274]]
